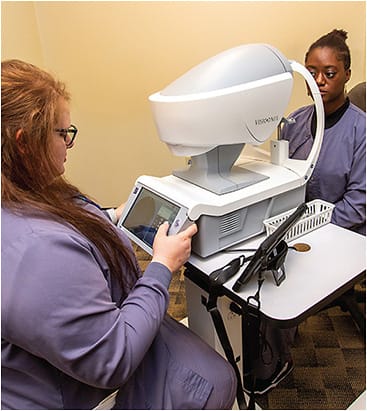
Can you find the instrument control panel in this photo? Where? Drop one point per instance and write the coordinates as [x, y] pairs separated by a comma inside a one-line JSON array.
[[145, 211]]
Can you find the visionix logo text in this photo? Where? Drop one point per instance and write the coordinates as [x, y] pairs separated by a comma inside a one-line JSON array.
[[265, 120]]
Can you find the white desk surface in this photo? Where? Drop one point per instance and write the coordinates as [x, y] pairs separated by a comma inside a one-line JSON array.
[[337, 257]]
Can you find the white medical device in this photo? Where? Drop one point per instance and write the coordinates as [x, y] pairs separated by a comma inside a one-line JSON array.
[[235, 98]]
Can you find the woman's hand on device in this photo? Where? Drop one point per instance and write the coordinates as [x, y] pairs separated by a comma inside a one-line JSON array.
[[119, 210], [174, 250]]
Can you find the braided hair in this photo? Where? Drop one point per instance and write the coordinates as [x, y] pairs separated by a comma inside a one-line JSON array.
[[336, 40]]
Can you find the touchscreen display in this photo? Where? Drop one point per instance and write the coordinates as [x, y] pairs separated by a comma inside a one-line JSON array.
[[147, 213]]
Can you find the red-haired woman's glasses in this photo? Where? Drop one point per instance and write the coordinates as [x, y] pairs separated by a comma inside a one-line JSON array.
[[68, 134]]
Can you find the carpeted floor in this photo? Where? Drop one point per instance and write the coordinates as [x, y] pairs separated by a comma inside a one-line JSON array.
[[329, 365], [329, 357]]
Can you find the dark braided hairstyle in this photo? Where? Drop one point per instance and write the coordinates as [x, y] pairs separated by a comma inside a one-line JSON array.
[[336, 40]]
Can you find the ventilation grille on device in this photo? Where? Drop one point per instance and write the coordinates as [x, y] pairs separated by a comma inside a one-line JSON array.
[[230, 222]]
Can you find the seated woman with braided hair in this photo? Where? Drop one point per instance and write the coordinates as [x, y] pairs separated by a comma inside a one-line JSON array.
[[339, 176]]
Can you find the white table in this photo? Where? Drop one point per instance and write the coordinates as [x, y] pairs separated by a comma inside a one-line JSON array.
[[336, 260]]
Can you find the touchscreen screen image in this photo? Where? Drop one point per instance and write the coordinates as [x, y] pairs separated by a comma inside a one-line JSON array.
[[147, 214]]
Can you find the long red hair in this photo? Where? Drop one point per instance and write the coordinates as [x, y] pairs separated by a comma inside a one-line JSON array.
[[29, 102]]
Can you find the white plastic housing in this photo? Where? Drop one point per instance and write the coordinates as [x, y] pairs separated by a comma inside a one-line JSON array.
[[238, 96]]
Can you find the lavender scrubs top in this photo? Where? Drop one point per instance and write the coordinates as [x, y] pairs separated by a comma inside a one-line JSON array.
[[339, 176], [67, 344]]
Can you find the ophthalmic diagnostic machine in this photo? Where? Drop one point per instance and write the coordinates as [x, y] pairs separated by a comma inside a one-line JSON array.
[[235, 98]]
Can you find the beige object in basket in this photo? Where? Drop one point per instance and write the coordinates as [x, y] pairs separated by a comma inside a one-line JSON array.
[[318, 214]]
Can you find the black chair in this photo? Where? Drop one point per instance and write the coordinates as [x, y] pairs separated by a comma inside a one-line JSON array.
[[357, 95], [354, 301]]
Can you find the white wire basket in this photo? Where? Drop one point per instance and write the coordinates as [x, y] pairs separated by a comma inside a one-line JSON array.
[[318, 214]]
